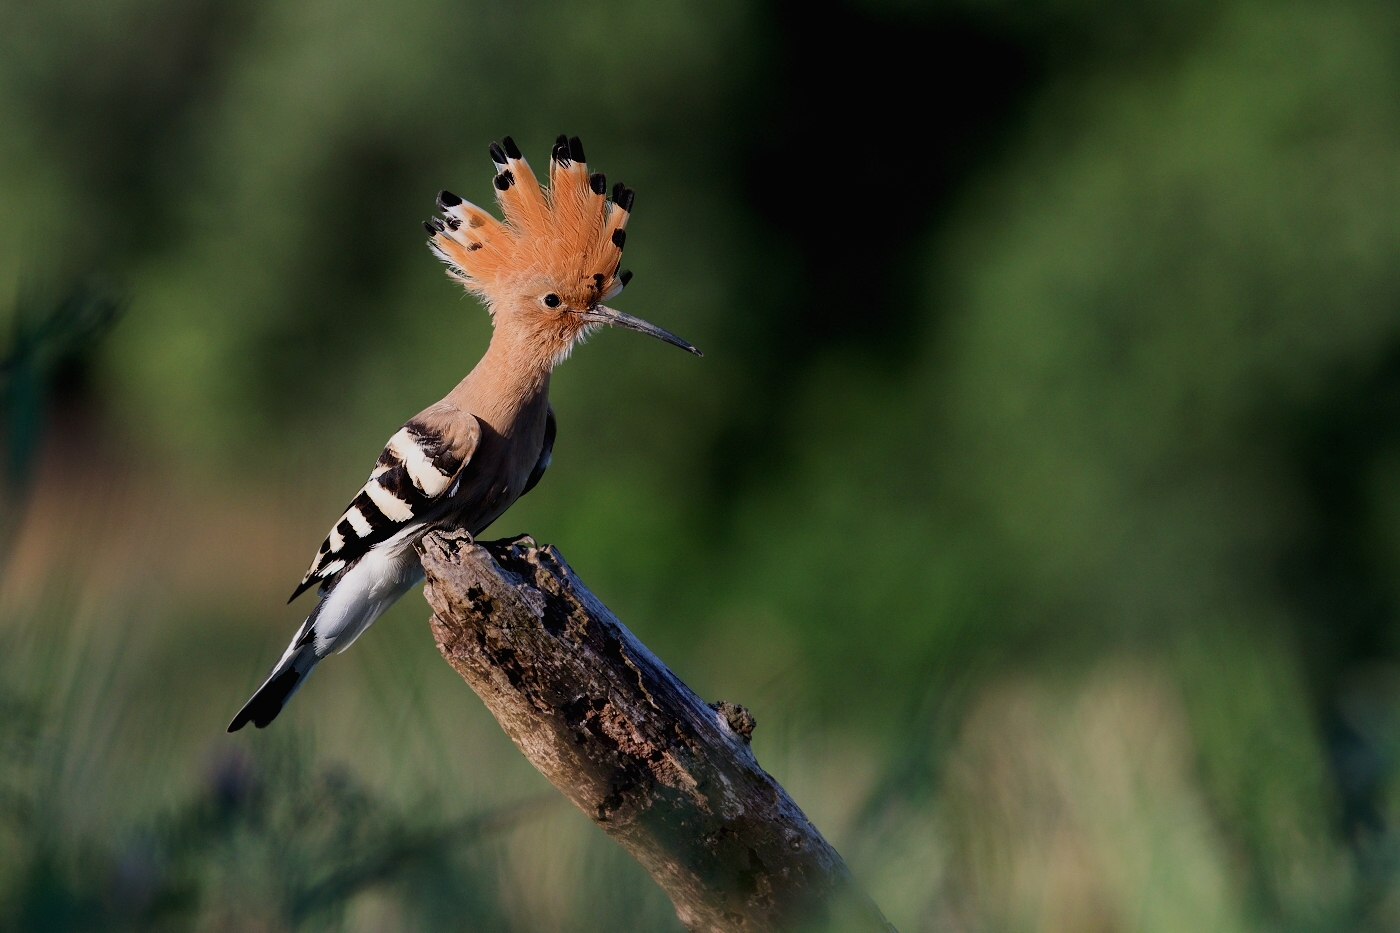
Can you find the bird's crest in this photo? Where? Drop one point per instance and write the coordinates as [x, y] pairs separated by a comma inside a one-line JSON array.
[[570, 234]]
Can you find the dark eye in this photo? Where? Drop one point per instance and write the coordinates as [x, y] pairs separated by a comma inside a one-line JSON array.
[[551, 300]]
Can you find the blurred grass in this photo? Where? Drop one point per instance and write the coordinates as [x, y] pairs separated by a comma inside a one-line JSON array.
[[1037, 491]]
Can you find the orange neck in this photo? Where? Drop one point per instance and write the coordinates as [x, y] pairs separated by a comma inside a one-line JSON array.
[[510, 380]]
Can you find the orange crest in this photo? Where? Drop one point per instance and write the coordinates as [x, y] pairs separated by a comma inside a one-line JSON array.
[[567, 239]]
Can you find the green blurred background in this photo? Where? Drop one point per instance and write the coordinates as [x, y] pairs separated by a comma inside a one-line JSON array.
[[1039, 491]]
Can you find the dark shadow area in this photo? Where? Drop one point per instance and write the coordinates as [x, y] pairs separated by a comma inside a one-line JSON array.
[[868, 125]]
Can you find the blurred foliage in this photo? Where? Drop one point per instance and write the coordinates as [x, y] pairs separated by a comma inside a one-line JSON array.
[[268, 843], [45, 334], [1039, 490]]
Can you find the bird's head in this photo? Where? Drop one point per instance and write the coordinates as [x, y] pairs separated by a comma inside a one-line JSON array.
[[547, 269]]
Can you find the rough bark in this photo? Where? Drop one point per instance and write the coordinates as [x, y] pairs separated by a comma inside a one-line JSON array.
[[671, 779]]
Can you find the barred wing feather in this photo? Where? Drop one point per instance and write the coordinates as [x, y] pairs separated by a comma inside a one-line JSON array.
[[417, 468]]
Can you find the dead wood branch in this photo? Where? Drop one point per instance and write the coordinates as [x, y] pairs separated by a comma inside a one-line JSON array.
[[672, 779]]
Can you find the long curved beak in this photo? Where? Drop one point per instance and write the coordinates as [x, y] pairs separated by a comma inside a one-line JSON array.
[[601, 314]]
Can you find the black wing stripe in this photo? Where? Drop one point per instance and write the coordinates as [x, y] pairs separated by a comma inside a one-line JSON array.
[[397, 481], [343, 532]]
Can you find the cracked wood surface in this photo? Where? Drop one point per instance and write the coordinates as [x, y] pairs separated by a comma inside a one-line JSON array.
[[670, 778]]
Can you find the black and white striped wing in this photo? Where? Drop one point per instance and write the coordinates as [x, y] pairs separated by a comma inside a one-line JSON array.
[[416, 470]]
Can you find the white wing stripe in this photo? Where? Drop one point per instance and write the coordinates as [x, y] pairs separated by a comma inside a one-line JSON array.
[[358, 521], [394, 508], [420, 469]]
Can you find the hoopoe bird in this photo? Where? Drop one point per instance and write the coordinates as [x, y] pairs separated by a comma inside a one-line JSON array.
[[543, 273]]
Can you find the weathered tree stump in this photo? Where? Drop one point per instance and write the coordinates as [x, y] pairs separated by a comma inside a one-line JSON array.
[[672, 779]]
